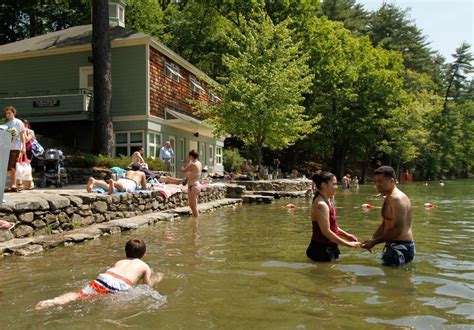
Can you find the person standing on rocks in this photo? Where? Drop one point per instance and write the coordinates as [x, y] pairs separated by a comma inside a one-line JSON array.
[[17, 145], [193, 171]]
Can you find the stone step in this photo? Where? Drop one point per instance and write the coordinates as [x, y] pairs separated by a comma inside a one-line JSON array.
[[205, 207], [282, 194], [257, 199]]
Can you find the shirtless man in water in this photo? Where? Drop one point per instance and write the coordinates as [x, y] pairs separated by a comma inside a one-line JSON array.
[[132, 181], [395, 229]]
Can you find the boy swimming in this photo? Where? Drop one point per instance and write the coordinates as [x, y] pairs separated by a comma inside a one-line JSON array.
[[122, 276]]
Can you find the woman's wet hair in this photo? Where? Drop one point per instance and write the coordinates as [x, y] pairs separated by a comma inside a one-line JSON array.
[[193, 153], [320, 177], [135, 248], [386, 171]]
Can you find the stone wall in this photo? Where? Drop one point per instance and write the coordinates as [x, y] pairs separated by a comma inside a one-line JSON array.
[[276, 185], [81, 175], [51, 212]]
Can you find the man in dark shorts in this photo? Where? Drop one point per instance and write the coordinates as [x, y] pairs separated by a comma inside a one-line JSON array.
[[395, 229], [17, 145]]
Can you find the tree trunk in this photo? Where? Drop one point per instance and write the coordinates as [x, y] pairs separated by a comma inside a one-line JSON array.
[[103, 127], [259, 156], [339, 155], [368, 154]]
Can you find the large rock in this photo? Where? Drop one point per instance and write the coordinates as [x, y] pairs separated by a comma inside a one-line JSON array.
[[23, 230], [99, 207], [5, 235], [31, 205], [57, 202], [29, 250], [26, 217]]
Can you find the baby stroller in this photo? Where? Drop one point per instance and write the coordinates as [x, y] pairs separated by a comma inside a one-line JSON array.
[[53, 168]]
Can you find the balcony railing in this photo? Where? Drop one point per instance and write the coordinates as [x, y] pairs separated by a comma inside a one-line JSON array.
[[76, 104]]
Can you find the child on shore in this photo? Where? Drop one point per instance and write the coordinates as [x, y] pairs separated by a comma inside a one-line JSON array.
[[121, 277]]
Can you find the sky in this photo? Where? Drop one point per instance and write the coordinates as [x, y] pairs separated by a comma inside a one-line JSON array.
[[446, 23]]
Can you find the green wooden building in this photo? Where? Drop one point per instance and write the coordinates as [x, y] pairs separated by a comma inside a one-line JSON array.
[[48, 79]]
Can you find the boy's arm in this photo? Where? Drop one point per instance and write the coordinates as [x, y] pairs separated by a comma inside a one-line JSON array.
[[151, 279]]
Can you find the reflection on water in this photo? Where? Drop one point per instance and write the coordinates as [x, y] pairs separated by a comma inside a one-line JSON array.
[[246, 267]]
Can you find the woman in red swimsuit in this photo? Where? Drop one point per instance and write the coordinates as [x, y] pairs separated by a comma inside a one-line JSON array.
[[326, 234]]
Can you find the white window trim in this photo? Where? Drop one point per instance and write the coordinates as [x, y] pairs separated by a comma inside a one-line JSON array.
[[211, 154], [129, 145], [182, 151], [172, 140], [174, 70], [196, 85], [155, 144], [214, 98], [219, 155], [84, 73]]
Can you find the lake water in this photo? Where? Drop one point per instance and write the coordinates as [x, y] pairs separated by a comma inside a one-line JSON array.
[[245, 268]]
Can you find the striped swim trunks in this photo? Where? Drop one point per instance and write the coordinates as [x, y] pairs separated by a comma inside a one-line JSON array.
[[108, 282]]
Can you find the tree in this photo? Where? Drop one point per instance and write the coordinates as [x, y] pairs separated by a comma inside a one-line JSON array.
[[391, 28], [145, 16], [407, 129], [30, 18], [457, 82], [103, 127], [355, 86], [351, 14], [263, 90]]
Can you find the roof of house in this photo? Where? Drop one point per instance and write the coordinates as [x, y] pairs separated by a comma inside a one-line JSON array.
[[78, 37]]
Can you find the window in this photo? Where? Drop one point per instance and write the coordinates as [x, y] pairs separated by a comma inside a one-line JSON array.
[[127, 142], [113, 10], [172, 140], [202, 152], [86, 78], [172, 71], [214, 98], [182, 149], [218, 155], [121, 15], [154, 145], [211, 155], [195, 85]]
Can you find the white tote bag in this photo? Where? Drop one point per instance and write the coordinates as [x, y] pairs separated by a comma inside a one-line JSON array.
[[23, 169]]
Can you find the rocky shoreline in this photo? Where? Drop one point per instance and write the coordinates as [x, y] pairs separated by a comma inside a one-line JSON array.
[[47, 218]]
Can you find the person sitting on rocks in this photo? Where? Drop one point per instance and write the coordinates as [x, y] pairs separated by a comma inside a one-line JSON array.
[[121, 277], [133, 180]]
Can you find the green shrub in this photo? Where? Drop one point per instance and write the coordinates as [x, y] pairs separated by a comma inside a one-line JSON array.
[[232, 160], [85, 160]]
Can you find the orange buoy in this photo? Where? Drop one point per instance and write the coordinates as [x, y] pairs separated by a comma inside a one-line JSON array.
[[291, 206], [367, 206]]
